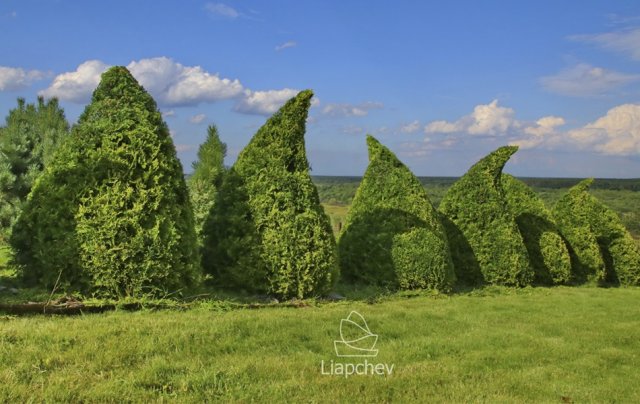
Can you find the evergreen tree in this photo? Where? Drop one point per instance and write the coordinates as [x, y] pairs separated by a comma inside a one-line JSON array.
[[485, 242], [546, 247], [111, 214], [603, 249], [393, 235], [267, 231], [27, 141], [208, 172]]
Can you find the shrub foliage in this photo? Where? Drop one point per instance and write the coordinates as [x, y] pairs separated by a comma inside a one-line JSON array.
[[484, 237], [267, 231], [546, 247], [111, 214], [208, 172], [392, 234], [27, 141], [603, 249]]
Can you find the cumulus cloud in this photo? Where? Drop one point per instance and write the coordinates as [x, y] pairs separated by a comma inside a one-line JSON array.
[[197, 119], [586, 80], [616, 133], [222, 10], [486, 119], [348, 110], [624, 41], [169, 82], [410, 127], [264, 102], [78, 85], [16, 78], [543, 131], [288, 44]]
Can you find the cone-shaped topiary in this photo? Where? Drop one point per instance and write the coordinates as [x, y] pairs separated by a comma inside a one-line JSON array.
[[111, 214], [267, 231], [485, 241], [393, 235], [604, 250], [546, 247]]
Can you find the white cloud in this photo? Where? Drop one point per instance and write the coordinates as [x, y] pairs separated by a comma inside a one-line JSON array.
[[197, 119], [16, 78], [264, 102], [288, 44], [616, 133], [486, 119], [169, 82], [222, 10], [410, 127], [168, 113], [625, 41], [78, 85], [184, 147], [348, 110], [586, 80], [543, 131]]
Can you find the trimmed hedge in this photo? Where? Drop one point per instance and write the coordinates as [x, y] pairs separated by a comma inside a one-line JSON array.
[[604, 250], [484, 237], [267, 231], [392, 235], [547, 249], [111, 214]]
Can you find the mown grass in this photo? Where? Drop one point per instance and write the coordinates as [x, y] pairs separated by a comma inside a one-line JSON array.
[[577, 344]]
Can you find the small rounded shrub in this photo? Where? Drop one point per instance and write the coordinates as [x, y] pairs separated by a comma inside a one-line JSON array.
[[392, 235], [603, 248], [547, 250], [484, 237]]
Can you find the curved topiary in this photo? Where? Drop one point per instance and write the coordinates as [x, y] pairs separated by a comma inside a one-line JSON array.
[[485, 241], [547, 249], [392, 235], [111, 214], [267, 231], [603, 248]]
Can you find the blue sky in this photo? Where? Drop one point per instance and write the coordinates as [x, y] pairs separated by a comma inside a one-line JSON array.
[[440, 83]]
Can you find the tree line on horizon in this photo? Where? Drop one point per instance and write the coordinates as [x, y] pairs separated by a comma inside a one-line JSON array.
[[104, 209]]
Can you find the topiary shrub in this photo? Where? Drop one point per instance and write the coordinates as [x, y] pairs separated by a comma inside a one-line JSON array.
[[111, 214], [547, 249], [392, 235], [604, 250], [484, 237], [267, 231]]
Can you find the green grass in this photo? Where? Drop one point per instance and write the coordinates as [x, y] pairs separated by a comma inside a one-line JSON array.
[[491, 345]]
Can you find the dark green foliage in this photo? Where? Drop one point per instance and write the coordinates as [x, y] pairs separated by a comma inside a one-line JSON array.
[[547, 250], [31, 134], [111, 214], [485, 242], [267, 231], [604, 250], [392, 234], [208, 172]]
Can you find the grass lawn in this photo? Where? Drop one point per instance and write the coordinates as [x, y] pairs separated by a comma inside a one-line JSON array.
[[559, 344]]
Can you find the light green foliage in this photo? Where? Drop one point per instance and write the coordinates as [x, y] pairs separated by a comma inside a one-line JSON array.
[[392, 235], [208, 173], [27, 141], [267, 231], [111, 214], [484, 237], [603, 248], [547, 250]]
